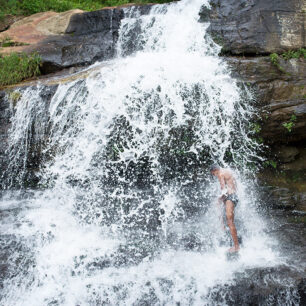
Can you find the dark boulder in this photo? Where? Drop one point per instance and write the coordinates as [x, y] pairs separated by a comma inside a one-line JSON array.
[[266, 286], [72, 38], [257, 26]]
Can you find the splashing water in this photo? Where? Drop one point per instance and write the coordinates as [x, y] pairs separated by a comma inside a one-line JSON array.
[[125, 214]]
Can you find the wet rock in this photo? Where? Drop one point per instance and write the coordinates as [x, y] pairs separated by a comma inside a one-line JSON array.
[[264, 286], [283, 189], [283, 198], [297, 165], [261, 27], [257, 26], [286, 154], [204, 14], [5, 114], [279, 95], [36, 134], [302, 292]]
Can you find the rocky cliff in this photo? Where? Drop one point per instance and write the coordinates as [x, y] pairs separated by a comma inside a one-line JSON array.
[[253, 30], [248, 32], [257, 26]]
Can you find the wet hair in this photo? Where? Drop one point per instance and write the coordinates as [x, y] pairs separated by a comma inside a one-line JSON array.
[[214, 167]]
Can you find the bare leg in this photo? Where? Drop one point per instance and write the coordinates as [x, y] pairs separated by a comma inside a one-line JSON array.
[[219, 203], [229, 206]]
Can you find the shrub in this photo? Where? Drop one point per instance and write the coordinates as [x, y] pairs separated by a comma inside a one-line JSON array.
[[28, 7], [17, 67], [275, 61]]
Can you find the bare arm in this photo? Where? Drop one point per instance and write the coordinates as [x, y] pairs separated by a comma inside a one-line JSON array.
[[222, 184]]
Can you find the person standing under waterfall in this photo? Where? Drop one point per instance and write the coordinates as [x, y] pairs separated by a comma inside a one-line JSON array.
[[229, 198]]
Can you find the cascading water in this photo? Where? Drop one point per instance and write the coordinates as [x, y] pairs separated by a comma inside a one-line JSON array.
[[125, 212]]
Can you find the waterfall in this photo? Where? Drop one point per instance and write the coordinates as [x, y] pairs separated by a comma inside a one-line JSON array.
[[124, 212]]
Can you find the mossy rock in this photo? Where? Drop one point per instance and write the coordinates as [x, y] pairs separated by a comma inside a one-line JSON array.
[[14, 97]]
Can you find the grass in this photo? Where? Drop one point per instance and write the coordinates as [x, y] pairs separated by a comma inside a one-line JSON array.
[[28, 7], [8, 42], [16, 67]]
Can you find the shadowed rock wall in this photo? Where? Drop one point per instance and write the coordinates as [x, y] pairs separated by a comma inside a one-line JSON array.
[[279, 95]]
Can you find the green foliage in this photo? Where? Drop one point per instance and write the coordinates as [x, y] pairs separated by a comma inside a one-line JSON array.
[[255, 128], [2, 16], [270, 163], [294, 54], [14, 97], [8, 42], [28, 7], [17, 67], [274, 58], [275, 61], [289, 125]]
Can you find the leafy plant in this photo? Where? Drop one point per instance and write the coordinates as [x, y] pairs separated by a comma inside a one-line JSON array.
[[270, 163], [289, 125], [275, 61], [274, 58], [294, 54], [17, 67]]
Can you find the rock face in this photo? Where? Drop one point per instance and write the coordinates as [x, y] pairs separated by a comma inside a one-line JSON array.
[[262, 286], [251, 30], [257, 26], [5, 114], [279, 95], [32, 142], [73, 38]]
